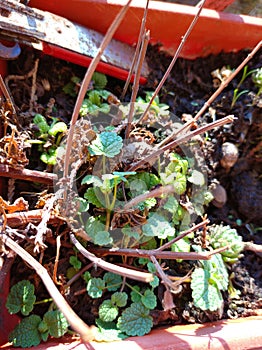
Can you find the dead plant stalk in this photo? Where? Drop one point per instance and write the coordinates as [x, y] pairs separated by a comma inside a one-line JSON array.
[[87, 79]]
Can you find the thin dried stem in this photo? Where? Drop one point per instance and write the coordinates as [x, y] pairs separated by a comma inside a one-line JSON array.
[[142, 253], [215, 94], [129, 273], [27, 175], [181, 140], [85, 332], [141, 34], [158, 192], [166, 281], [182, 234], [257, 248], [22, 218], [141, 58], [6, 94], [178, 51], [87, 79]]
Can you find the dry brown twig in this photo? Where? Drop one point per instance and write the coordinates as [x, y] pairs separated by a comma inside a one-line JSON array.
[[134, 62], [87, 79], [135, 88], [85, 332], [176, 55], [180, 140]]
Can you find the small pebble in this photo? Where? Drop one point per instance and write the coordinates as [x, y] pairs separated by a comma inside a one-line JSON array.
[[229, 155]]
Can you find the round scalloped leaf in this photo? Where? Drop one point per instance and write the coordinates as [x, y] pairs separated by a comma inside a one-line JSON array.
[[113, 281], [56, 323], [149, 299], [26, 333], [135, 320], [103, 238], [119, 299], [21, 298], [107, 143], [95, 287], [108, 332], [107, 311], [158, 226]]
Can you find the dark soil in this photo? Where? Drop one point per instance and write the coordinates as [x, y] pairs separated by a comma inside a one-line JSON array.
[[188, 87]]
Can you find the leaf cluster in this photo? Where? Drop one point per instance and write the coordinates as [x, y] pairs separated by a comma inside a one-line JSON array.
[[48, 137], [221, 236], [114, 322], [32, 329]]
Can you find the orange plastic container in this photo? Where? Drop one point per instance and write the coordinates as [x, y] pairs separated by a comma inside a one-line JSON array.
[[214, 32]]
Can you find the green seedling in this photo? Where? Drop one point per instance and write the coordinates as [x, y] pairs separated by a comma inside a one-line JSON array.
[[255, 75], [96, 100], [159, 109], [32, 329], [257, 79], [48, 137], [134, 320], [107, 195]]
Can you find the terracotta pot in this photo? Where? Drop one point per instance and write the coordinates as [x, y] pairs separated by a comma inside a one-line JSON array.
[[240, 334], [167, 23]]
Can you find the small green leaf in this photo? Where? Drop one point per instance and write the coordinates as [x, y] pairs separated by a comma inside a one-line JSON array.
[[135, 320], [95, 287], [91, 196], [107, 311], [56, 323], [149, 299], [87, 276], [112, 281], [75, 262], [92, 226], [82, 204], [180, 183], [92, 179], [131, 232], [99, 80], [26, 333], [107, 332], [50, 156], [107, 143], [41, 122], [56, 128], [147, 181], [151, 267], [21, 298], [182, 245], [158, 226], [135, 294], [197, 178], [171, 204], [103, 238], [119, 299], [155, 282]]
